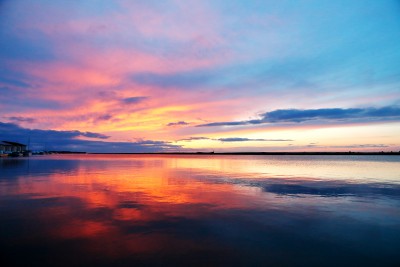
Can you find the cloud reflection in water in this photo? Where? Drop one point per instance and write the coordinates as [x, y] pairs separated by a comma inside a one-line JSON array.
[[174, 210]]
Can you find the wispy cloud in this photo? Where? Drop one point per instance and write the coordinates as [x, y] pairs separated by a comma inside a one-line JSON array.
[[21, 119], [104, 117], [234, 139], [134, 99], [321, 115], [178, 123], [360, 146], [240, 139], [181, 79], [194, 138]]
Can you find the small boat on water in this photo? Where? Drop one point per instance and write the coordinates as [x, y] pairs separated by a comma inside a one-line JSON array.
[[3, 155]]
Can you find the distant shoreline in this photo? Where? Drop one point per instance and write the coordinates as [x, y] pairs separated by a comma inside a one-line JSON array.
[[350, 153], [255, 153]]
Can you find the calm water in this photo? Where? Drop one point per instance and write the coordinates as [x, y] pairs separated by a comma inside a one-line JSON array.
[[200, 210]]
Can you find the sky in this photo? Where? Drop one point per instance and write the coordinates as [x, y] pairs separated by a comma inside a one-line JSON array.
[[210, 75]]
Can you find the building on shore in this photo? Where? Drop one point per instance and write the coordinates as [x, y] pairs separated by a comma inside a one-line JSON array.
[[10, 147]]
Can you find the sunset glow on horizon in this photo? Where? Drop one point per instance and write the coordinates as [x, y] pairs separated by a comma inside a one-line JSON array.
[[168, 76]]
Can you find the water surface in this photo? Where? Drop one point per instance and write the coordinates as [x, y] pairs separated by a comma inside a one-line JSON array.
[[205, 210]]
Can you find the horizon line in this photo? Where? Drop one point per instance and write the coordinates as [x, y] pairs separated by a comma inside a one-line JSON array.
[[237, 153]]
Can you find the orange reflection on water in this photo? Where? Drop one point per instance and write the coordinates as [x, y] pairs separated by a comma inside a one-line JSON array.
[[117, 207], [99, 201]]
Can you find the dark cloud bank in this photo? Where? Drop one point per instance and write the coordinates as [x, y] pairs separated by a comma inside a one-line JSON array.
[[67, 140], [320, 116]]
